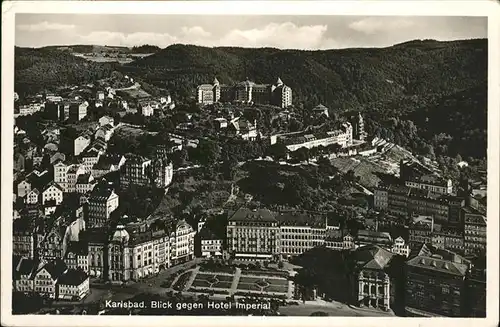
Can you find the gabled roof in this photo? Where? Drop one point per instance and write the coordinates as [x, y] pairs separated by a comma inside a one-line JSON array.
[[83, 178], [56, 268], [372, 257], [73, 277], [106, 128], [73, 169], [53, 184], [26, 266]]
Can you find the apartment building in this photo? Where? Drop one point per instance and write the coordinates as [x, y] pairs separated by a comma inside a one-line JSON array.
[[181, 242], [61, 174], [421, 231], [73, 285], [78, 110], [137, 250], [475, 231], [52, 192], [415, 175], [105, 132], [72, 174], [300, 232], [404, 201], [45, 279], [101, 203], [89, 159], [435, 285], [24, 238], [77, 256], [137, 170], [85, 183], [336, 239], [80, 143], [253, 234], [475, 299], [107, 164]]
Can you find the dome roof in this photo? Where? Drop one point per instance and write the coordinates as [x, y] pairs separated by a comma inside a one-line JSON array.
[[120, 235]]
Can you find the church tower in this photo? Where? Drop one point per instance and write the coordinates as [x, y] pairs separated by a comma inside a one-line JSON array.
[[359, 127], [216, 90]]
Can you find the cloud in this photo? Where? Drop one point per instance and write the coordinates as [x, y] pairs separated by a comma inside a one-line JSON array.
[[121, 39], [375, 25], [195, 31], [45, 26], [285, 35]]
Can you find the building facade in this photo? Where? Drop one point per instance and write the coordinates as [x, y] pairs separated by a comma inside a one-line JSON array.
[[253, 234], [101, 203], [435, 284], [474, 231], [372, 281], [277, 94]]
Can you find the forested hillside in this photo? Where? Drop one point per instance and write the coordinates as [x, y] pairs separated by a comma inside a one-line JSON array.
[[427, 95], [40, 69], [341, 79]]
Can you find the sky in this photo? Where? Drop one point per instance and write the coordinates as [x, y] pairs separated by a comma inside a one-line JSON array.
[[285, 32]]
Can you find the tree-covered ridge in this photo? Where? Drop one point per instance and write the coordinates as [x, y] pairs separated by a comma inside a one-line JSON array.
[[435, 125], [146, 48], [341, 79], [40, 69]]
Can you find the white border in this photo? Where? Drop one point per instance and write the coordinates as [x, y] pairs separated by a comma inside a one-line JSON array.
[[360, 8]]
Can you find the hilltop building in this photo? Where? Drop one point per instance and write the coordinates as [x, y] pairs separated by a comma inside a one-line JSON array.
[[277, 94]]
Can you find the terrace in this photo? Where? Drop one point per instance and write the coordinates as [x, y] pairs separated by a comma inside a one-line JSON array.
[[246, 283]]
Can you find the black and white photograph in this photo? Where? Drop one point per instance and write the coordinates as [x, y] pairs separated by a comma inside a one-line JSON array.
[[249, 164]]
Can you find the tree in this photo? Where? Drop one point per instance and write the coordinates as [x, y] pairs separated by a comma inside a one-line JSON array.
[[278, 151], [229, 167], [301, 154], [208, 152]]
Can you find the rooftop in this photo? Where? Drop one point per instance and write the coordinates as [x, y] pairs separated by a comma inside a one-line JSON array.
[[56, 268], [259, 215], [297, 218], [438, 264], [372, 257], [73, 277]]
